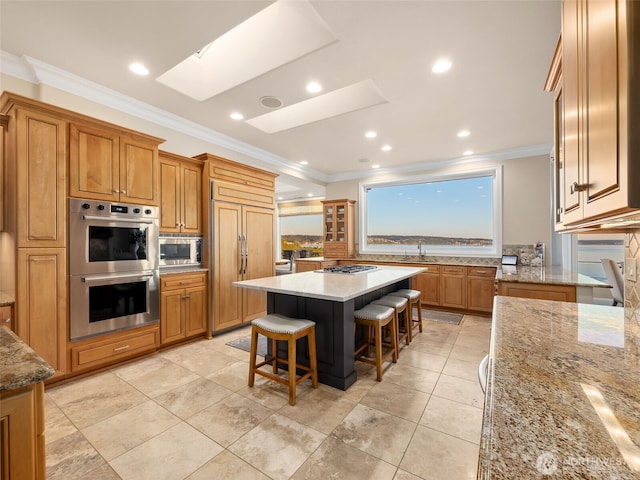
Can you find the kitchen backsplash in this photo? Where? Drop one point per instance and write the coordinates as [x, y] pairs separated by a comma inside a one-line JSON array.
[[631, 287], [530, 254]]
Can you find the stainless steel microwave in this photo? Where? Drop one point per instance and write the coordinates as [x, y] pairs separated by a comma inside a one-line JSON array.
[[180, 251]]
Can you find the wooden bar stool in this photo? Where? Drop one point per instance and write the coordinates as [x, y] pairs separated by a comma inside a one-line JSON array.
[[413, 296], [399, 304], [374, 317], [278, 327]]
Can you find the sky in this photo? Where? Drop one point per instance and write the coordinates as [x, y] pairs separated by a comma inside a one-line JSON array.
[[451, 208], [301, 225]]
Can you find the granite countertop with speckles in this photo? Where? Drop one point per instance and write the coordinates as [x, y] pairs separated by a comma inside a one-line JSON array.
[[548, 275], [19, 364], [6, 300], [563, 392]]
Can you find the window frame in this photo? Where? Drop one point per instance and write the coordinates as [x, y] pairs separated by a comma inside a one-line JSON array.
[[496, 250]]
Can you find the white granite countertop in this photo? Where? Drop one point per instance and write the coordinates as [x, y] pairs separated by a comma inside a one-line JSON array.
[[563, 395], [331, 286], [548, 275]]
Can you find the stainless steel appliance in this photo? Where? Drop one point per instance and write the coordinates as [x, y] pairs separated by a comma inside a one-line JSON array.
[[180, 251], [349, 269], [113, 266]]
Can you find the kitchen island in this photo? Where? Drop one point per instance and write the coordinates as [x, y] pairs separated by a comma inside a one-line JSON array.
[[562, 397], [329, 299]]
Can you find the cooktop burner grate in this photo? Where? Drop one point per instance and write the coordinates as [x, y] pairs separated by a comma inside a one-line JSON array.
[[349, 269]]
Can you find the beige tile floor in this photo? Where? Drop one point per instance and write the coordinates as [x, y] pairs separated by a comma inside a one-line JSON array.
[[188, 413]]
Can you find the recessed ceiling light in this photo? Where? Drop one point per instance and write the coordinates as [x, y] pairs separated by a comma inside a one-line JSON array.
[[138, 69], [236, 116], [386, 148], [375, 166], [314, 87], [304, 162], [280, 198], [441, 66], [467, 152], [464, 133], [371, 134], [309, 194]]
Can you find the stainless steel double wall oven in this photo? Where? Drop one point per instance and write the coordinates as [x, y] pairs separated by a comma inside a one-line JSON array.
[[113, 266]]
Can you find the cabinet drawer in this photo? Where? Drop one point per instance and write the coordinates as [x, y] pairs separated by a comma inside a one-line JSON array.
[[93, 354], [335, 250], [430, 268], [481, 271], [453, 270], [181, 281]]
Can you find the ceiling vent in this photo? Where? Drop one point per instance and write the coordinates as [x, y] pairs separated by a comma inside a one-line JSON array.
[[271, 102]]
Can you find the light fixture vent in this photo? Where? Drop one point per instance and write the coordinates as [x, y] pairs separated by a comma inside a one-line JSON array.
[[271, 102]]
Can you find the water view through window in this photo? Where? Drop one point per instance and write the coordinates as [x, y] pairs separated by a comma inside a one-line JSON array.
[[446, 216], [302, 233]]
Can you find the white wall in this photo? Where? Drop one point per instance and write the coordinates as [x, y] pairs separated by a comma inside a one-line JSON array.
[[526, 197]]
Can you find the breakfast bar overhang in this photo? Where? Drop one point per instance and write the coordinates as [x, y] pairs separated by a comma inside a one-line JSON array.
[[329, 299]]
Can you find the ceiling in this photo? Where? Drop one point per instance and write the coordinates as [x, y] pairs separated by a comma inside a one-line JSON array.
[[500, 51]]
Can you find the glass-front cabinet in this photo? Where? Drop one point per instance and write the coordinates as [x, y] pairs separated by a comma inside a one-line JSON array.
[[339, 228]]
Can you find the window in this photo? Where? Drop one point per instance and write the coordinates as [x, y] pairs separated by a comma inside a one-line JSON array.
[[451, 215], [300, 229]]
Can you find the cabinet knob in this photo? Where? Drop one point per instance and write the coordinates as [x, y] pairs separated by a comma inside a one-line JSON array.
[[7, 320], [124, 192], [578, 187], [116, 191]]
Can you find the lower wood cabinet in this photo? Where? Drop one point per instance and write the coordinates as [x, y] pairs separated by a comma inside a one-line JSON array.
[[22, 433], [480, 288], [560, 293], [93, 353], [6, 317], [309, 265], [453, 286], [183, 306], [428, 282]]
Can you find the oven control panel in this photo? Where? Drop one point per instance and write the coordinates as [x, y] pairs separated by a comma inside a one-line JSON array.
[[108, 209]]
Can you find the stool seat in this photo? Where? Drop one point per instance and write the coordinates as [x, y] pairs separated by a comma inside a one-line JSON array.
[[280, 324], [373, 312], [407, 293], [280, 328], [399, 304]]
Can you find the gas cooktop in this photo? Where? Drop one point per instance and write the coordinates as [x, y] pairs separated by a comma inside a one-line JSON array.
[[349, 269]]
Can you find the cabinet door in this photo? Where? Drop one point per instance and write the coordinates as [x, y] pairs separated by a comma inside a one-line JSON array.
[[258, 228], [42, 303], [429, 285], [18, 435], [93, 163], [41, 177], [196, 310], [138, 172], [571, 201], [191, 187], [170, 196], [480, 294], [453, 283], [172, 326], [227, 299], [606, 190], [6, 317]]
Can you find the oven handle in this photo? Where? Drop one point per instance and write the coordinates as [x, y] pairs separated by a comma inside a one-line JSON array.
[[116, 220], [102, 278]]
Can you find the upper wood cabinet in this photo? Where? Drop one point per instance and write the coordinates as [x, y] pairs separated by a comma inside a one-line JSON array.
[[597, 108], [180, 194], [106, 164], [339, 228]]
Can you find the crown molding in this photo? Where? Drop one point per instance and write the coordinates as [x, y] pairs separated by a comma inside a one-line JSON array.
[[17, 67]]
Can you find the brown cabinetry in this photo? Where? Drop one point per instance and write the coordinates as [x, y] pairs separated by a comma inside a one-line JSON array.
[[560, 293], [6, 317], [97, 352], [22, 453], [242, 216], [428, 282], [180, 194], [480, 288], [110, 165], [310, 264], [453, 287], [183, 306], [596, 110], [339, 228], [36, 219]]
